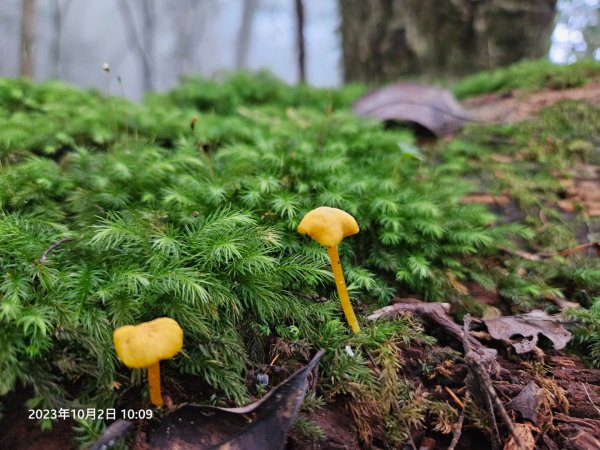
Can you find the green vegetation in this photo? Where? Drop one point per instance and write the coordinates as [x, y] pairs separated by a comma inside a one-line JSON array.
[[526, 163], [528, 75], [187, 206], [588, 333]]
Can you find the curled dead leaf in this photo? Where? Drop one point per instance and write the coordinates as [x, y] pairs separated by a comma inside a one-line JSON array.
[[428, 106], [523, 331]]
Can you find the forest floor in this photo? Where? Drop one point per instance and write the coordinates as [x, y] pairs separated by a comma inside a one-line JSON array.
[[562, 408], [516, 106], [552, 399]]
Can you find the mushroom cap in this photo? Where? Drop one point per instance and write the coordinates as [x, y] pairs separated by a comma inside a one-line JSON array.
[[328, 226], [149, 342]]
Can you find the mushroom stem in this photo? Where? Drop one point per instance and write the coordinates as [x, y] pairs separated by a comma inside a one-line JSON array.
[[154, 382], [336, 266]]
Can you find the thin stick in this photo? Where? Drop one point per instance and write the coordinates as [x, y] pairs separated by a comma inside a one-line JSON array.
[[459, 425], [52, 247], [481, 375], [455, 397], [590, 398], [125, 116]]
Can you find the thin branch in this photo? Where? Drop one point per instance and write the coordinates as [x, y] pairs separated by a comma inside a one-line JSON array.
[[245, 33], [476, 364], [27, 38], [459, 426], [564, 253], [132, 35], [51, 248], [590, 398], [300, 42]]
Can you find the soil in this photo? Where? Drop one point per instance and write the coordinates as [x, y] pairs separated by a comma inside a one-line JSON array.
[[17, 432], [519, 105]]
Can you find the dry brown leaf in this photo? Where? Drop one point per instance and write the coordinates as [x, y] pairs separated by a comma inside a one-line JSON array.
[[522, 331], [527, 402], [429, 106]]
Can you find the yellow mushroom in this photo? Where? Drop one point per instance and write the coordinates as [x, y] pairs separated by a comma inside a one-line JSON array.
[[328, 226], [145, 345]]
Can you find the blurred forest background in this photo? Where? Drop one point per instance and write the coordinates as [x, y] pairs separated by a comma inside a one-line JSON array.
[[151, 44]]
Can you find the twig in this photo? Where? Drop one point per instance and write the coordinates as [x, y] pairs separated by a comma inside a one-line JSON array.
[[435, 312], [478, 366], [52, 247], [578, 248], [590, 398], [112, 434], [539, 256], [459, 426], [458, 401], [411, 440]]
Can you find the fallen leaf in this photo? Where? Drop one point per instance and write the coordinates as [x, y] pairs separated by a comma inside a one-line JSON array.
[[457, 285], [522, 331], [527, 402], [429, 106], [505, 159], [261, 425]]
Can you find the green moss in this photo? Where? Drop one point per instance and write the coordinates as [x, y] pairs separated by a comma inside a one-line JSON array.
[[528, 75], [156, 218]]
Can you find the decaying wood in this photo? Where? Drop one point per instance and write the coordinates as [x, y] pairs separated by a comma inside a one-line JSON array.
[[434, 312]]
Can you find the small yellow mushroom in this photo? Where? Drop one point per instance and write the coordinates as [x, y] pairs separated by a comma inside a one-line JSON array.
[[145, 345], [328, 226]]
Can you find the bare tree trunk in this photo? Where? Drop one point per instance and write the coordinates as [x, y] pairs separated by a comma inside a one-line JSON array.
[[27, 37], [134, 41], [149, 14], [383, 40], [300, 40], [245, 33], [60, 11]]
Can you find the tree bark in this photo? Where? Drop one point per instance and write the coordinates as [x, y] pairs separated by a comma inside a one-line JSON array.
[[300, 42], [27, 38], [383, 40], [245, 33]]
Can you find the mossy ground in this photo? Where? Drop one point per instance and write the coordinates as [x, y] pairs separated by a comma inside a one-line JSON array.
[[187, 205]]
